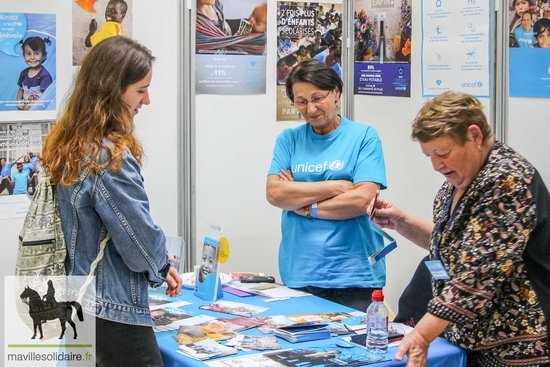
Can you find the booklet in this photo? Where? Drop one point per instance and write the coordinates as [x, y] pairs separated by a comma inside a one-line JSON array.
[[205, 349], [303, 332], [234, 308], [326, 356], [170, 318]]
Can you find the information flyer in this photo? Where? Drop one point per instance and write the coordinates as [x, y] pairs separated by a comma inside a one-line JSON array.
[[230, 55], [456, 48], [383, 32]]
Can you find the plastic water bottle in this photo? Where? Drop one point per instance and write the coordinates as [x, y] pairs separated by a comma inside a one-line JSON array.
[[377, 324]]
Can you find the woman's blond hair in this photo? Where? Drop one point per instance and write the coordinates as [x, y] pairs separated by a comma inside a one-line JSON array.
[[95, 110]]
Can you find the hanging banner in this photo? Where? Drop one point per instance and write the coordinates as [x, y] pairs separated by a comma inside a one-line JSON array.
[[230, 56], [383, 32], [529, 49], [28, 58], [456, 47], [306, 31]]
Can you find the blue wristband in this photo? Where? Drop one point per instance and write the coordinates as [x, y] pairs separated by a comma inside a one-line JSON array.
[[314, 211]]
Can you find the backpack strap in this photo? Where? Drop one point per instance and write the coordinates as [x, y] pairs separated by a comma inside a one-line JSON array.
[[93, 266]]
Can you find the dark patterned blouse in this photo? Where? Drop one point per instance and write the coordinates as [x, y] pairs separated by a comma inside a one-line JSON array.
[[497, 253]]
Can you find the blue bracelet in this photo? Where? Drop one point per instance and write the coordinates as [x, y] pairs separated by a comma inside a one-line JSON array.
[[314, 211]]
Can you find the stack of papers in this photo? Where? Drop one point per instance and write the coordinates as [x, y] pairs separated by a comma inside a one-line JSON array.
[[303, 332]]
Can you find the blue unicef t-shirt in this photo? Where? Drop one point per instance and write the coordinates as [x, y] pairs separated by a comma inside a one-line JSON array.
[[330, 253], [524, 39]]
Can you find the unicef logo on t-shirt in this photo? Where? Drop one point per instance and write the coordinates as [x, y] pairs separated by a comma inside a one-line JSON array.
[[336, 165]]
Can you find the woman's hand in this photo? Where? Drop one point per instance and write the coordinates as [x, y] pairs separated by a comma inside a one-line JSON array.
[[173, 282], [415, 346], [285, 175], [386, 215]]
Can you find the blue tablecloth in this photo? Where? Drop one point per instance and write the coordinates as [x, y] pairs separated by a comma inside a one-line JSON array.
[[441, 352]]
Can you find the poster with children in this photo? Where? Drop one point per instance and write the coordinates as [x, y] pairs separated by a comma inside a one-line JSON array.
[[95, 20], [529, 42], [382, 34], [28, 59], [230, 54], [309, 30]]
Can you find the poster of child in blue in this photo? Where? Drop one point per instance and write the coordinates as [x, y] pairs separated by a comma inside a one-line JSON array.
[[383, 32], [529, 42], [28, 59]]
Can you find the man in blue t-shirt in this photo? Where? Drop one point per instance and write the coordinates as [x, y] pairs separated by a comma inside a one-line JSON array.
[[20, 180], [524, 35], [5, 173]]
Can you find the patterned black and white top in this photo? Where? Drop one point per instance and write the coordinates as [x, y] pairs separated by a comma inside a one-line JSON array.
[[497, 253]]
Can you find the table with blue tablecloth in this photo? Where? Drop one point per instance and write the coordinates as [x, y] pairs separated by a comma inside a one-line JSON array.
[[441, 352]]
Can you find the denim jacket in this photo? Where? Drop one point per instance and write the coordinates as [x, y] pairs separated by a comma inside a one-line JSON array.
[[135, 256]]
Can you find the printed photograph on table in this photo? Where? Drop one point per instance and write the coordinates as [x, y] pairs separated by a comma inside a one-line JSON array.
[[20, 150], [231, 38], [382, 33], [95, 20], [28, 53], [325, 356], [309, 30], [529, 43]]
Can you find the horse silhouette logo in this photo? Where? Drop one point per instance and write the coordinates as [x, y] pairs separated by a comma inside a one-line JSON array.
[[42, 309]]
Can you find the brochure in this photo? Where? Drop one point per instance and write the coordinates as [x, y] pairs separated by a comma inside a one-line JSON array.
[[303, 332], [205, 349], [247, 343], [208, 285], [325, 356], [234, 308], [269, 323], [170, 318]]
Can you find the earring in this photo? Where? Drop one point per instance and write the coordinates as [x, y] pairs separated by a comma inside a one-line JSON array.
[[299, 115]]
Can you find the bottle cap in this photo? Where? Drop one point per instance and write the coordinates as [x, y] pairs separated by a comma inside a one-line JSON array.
[[378, 295]]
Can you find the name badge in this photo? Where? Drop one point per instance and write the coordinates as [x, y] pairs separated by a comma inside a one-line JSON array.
[[437, 269]]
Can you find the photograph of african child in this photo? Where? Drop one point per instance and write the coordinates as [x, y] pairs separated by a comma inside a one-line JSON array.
[[94, 21], [232, 27], [28, 59]]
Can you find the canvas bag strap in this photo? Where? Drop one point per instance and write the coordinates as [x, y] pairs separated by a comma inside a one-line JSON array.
[[90, 277]]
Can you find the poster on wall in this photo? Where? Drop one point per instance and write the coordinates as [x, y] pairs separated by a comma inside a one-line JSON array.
[[96, 20], [456, 47], [28, 59], [230, 55], [382, 60], [529, 48], [20, 150], [307, 31]]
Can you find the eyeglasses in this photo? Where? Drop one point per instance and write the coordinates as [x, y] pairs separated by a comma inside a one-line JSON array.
[[302, 103]]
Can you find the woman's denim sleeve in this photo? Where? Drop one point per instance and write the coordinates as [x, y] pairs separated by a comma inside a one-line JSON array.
[[123, 206]]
